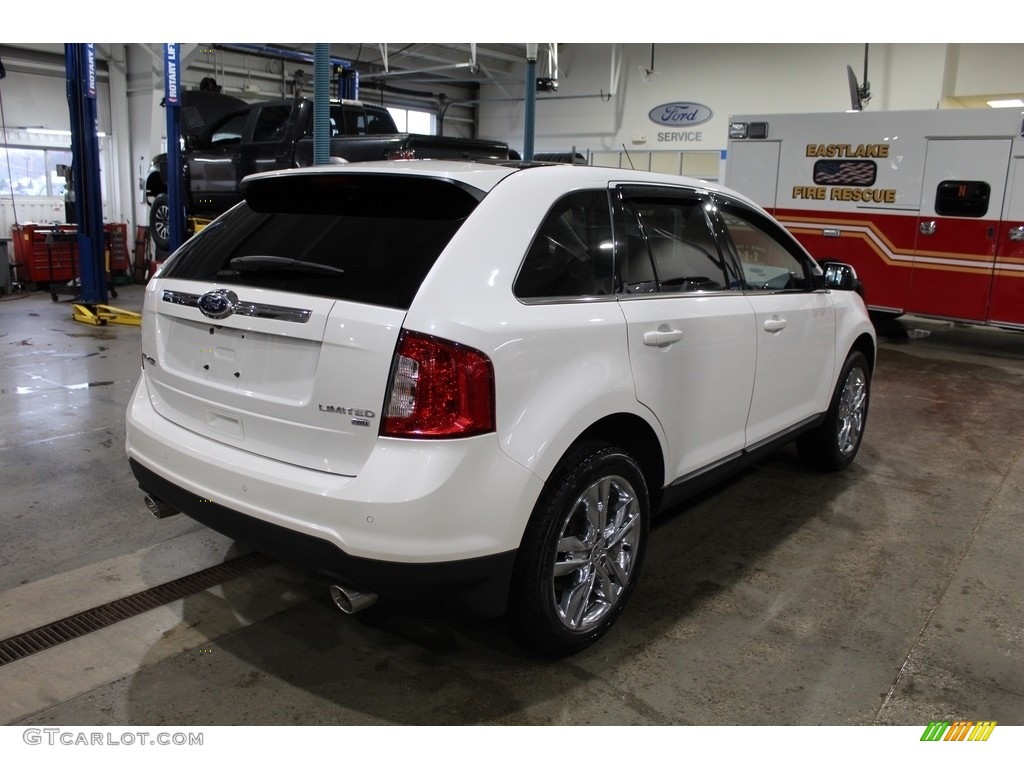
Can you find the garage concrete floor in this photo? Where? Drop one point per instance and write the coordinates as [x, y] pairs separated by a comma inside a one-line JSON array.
[[888, 594]]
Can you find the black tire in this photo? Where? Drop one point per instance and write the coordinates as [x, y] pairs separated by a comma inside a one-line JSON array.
[[160, 221], [834, 445], [576, 570]]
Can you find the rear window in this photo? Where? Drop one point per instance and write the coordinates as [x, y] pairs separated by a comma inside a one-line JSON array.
[[364, 238]]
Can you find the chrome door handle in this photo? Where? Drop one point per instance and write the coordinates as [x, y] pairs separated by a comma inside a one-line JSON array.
[[662, 337], [774, 325], [1017, 234], [927, 228]]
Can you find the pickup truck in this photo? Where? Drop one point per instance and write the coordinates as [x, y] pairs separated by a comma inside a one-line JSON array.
[[226, 139]]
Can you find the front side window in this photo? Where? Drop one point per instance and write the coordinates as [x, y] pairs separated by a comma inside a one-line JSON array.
[[769, 262], [230, 131], [571, 254], [271, 123]]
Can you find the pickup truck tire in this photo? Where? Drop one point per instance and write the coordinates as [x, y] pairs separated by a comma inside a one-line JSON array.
[[160, 222]]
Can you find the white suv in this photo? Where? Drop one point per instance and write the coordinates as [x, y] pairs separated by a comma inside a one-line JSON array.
[[478, 381]]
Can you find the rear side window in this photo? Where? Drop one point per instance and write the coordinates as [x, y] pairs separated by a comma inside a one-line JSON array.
[[679, 239], [364, 237], [571, 254]]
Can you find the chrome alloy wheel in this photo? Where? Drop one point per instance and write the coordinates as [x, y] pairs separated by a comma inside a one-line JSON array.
[[852, 410], [596, 553]]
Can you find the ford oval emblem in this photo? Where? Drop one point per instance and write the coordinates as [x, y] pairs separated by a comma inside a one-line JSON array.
[[680, 113], [217, 304]]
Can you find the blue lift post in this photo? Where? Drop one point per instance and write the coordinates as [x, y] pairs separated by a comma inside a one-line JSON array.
[[172, 108], [531, 101], [90, 305], [80, 61]]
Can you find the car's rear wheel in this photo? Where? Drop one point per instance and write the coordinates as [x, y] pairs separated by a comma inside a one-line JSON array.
[[582, 551], [834, 445], [160, 222]]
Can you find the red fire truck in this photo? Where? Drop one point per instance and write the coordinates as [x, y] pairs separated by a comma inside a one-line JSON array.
[[928, 206]]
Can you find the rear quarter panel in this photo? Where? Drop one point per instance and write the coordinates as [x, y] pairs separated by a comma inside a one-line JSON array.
[[559, 367]]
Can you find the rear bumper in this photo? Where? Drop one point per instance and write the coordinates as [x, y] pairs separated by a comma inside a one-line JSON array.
[[423, 519], [480, 584]]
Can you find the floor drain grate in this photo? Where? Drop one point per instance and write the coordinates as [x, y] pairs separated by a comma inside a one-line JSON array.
[[83, 623]]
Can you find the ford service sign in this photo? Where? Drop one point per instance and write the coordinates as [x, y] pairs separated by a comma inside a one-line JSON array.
[[680, 113]]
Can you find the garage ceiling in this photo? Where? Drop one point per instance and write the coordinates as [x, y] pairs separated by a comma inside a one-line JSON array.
[[432, 62], [457, 64]]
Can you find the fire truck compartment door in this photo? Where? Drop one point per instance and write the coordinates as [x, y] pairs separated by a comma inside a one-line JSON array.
[[961, 205], [1006, 306]]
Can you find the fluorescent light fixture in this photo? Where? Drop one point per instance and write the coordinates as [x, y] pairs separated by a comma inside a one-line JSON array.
[[1004, 103], [57, 132]]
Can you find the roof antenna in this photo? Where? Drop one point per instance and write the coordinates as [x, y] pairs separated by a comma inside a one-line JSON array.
[[628, 157], [860, 95]]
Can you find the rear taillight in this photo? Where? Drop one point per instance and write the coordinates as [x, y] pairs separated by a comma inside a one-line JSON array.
[[438, 389]]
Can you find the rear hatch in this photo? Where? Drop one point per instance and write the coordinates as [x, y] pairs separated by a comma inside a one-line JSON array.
[[273, 330]]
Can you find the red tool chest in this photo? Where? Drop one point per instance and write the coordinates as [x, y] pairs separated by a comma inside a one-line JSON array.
[[45, 253]]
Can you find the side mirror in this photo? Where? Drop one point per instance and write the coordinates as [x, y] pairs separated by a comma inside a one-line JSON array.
[[841, 277]]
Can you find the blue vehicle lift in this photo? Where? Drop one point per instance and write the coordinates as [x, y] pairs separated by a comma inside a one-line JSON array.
[[90, 306]]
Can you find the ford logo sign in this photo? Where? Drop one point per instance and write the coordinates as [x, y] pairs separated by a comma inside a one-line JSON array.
[[680, 113], [217, 304]]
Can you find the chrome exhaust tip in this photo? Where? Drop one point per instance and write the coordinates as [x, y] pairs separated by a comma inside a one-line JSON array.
[[351, 600], [160, 509]]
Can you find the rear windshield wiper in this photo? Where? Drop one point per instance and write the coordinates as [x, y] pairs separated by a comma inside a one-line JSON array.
[[280, 263]]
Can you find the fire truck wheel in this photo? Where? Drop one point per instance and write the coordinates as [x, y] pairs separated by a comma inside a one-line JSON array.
[[834, 445]]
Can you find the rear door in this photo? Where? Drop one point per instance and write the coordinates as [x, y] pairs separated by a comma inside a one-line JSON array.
[[690, 330], [296, 378], [274, 329]]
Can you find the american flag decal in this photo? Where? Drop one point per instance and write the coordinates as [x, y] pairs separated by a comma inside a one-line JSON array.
[[854, 173]]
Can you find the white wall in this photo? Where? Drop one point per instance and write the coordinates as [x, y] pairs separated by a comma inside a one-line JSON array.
[[732, 79]]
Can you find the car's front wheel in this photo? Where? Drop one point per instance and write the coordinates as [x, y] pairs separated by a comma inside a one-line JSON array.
[[833, 445], [160, 222], [582, 550]]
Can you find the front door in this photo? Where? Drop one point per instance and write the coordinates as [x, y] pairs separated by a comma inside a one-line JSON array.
[[794, 324]]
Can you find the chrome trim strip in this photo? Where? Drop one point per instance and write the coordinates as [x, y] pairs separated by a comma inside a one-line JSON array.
[[245, 308], [185, 299]]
